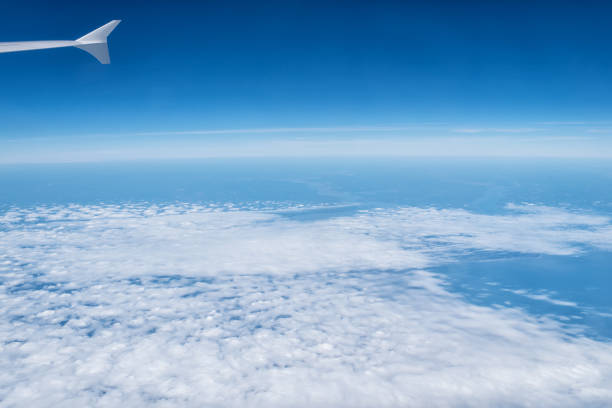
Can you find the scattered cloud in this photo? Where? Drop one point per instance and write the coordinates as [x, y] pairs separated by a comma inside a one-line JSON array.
[[542, 296], [564, 123], [495, 130], [426, 139], [338, 129], [224, 306]]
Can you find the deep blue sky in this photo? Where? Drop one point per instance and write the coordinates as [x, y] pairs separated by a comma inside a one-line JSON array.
[[193, 65]]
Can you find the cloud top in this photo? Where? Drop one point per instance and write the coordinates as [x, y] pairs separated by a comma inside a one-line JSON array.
[[223, 306]]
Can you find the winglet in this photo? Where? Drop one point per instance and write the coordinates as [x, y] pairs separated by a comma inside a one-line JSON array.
[[100, 34], [95, 42]]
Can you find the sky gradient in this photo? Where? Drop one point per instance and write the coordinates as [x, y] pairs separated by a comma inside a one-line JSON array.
[[215, 79]]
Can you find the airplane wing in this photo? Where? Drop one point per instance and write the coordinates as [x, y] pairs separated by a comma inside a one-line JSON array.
[[95, 43]]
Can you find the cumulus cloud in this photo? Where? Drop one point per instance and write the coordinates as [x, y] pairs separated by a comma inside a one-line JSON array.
[[221, 306], [542, 296]]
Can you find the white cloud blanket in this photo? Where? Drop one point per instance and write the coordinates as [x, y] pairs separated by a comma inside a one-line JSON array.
[[185, 305]]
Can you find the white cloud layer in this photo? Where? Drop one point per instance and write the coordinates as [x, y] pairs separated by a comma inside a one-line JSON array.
[[185, 305]]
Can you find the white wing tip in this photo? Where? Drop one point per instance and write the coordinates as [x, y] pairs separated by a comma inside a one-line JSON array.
[[100, 34], [95, 42]]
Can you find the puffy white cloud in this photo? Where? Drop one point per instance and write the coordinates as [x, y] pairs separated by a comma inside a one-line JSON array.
[[218, 306]]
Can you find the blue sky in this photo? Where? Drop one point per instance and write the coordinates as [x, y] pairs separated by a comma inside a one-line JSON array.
[[496, 78]]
